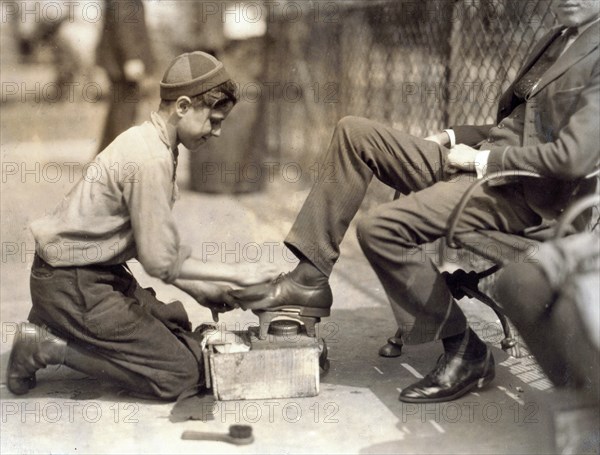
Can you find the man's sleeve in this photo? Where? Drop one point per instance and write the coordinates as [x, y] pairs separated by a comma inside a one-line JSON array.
[[154, 230], [471, 134], [575, 151]]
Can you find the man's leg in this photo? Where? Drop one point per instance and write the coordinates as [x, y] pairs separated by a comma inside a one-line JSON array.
[[392, 237], [108, 333], [359, 150]]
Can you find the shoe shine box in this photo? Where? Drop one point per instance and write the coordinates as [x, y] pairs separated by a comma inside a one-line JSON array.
[[241, 366]]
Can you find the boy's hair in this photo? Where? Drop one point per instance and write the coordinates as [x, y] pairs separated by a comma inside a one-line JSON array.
[[225, 92]]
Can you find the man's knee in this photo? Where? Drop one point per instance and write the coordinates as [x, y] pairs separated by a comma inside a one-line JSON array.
[[352, 123], [374, 234], [356, 129]]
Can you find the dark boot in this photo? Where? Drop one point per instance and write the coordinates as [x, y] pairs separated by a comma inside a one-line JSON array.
[[33, 348]]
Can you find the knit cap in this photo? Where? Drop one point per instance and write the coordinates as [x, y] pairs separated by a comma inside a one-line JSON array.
[[192, 74]]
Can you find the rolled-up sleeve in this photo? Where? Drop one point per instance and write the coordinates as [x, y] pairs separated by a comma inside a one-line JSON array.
[[148, 197]]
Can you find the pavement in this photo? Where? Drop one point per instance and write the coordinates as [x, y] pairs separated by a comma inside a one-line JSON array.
[[44, 149]]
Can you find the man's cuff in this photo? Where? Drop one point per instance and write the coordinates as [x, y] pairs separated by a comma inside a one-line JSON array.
[[452, 136], [481, 160]]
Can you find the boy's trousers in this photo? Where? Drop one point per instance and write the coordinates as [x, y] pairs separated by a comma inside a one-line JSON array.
[[104, 310], [393, 235]]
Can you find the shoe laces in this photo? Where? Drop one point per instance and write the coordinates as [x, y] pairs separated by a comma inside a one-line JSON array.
[[280, 278]]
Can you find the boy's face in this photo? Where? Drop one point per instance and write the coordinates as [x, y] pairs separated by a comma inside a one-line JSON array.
[[200, 122]]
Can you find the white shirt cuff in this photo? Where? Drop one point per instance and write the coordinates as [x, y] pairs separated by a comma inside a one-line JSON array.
[[481, 160], [452, 136]]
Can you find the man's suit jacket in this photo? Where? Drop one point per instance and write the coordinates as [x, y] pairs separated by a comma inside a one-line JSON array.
[[561, 134], [124, 37]]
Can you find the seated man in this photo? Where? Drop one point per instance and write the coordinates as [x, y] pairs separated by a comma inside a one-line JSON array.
[[547, 122], [555, 304]]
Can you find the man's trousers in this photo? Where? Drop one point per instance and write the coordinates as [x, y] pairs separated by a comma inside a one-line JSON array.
[[393, 234], [103, 311]]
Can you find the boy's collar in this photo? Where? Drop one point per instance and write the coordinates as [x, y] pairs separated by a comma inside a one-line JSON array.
[[161, 127]]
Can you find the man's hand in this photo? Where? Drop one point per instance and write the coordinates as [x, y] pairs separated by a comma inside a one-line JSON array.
[[214, 296], [440, 138], [461, 158], [134, 70]]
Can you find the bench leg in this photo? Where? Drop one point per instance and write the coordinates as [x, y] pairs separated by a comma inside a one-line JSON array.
[[509, 344]]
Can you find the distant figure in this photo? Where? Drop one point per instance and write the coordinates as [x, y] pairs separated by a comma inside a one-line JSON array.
[[124, 52], [68, 35]]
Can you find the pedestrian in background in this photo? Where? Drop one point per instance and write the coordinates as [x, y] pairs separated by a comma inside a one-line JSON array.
[[124, 52]]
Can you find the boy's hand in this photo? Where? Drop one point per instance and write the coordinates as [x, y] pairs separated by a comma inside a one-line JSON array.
[[214, 296], [251, 274]]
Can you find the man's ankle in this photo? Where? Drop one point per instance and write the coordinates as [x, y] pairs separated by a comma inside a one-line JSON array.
[[306, 273], [466, 345]]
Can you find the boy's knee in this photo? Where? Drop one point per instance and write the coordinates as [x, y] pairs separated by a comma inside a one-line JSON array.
[[183, 376]]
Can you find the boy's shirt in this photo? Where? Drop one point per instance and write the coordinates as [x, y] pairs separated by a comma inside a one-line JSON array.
[[120, 209]]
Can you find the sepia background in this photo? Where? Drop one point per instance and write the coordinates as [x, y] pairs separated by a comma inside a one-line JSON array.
[[419, 66]]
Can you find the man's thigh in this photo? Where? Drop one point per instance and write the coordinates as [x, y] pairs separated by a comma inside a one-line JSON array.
[[400, 160], [423, 216]]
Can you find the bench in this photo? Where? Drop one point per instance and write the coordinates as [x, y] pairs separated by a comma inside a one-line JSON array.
[[501, 249]]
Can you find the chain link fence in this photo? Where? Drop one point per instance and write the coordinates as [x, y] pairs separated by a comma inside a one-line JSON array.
[[419, 66]]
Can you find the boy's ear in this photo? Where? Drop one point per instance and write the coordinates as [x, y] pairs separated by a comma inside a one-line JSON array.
[[182, 105]]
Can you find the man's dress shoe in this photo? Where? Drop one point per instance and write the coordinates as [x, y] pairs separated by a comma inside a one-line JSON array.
[[283, 293], [450, 379]]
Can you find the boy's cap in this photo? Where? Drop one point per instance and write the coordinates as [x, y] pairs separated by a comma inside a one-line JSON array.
[[192, 74]]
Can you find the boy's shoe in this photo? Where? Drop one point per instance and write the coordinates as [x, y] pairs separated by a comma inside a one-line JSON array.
[[33, 348], [283, 293], [452, 378]]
